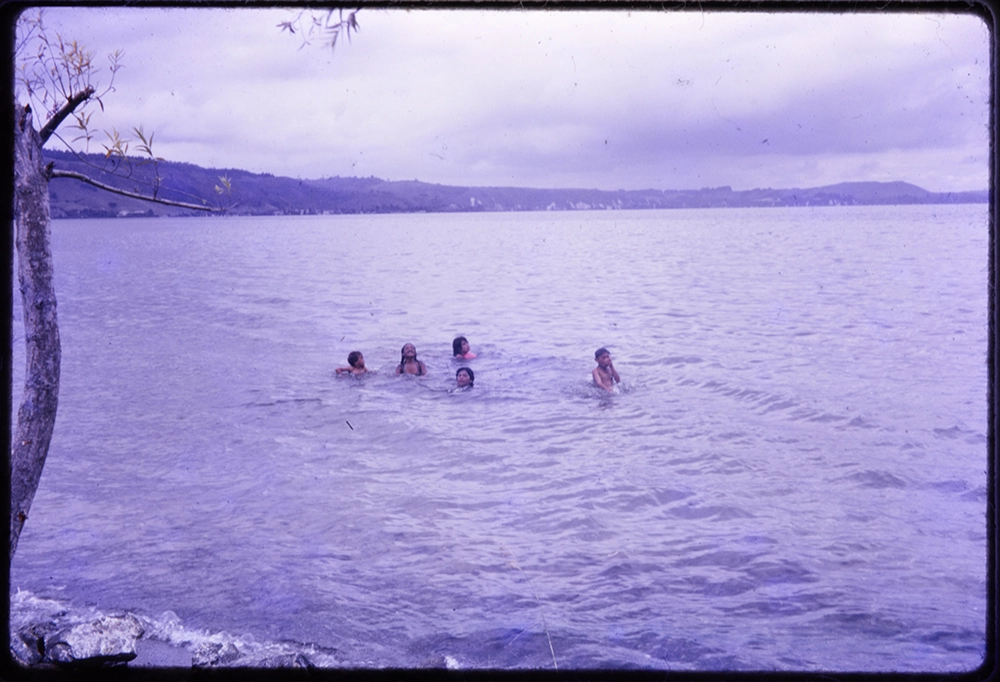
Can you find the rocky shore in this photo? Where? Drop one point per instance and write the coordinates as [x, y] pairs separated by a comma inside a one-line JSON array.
[[118, 640]]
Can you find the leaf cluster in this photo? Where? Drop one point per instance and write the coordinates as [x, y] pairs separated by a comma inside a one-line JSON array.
[[51, 71], [117, 152], [225, 191], [59, 77], [328, 25]]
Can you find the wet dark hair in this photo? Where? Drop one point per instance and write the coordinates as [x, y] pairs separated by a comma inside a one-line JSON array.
[[601, 351], [352, 358], [402, 359], [456, 345], [472, 375]]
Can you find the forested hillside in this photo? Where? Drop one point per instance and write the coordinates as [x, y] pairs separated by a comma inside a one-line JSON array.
[[266, 194]]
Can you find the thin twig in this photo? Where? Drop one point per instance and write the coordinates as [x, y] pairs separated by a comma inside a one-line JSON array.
[[512, 562]]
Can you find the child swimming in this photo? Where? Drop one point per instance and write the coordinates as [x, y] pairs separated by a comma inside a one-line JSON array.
[[408, 362], [465, 378], [356, 362], [605, 374], [460, 348]]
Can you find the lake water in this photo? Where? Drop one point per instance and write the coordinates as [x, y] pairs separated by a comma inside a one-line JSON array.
[[792, 476]]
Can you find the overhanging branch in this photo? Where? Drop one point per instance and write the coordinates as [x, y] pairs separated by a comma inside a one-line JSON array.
[[72, 103], [55, 173]]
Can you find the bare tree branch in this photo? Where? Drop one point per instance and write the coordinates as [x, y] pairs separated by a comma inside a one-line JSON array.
[[54, 173], [46, 132]]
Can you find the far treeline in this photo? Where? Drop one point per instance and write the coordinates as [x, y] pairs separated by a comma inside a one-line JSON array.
[[244, 193]]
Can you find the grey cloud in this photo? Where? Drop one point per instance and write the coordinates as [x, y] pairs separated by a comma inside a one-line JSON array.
[[554, 98]]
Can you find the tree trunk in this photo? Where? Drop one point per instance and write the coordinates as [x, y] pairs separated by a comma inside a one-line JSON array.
[[36, 415]]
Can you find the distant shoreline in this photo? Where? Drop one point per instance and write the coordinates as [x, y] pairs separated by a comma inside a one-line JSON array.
[[266, 194]]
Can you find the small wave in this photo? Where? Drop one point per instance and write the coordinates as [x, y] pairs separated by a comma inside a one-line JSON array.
[[511, 648], [680, 360], [954, 432], [715, 512], [953, 486], [719, 559], [977, 495], [857, 423], [224, 649], [826, 417], [27, 608], [284, 401], [872, 625], [272, 300], [765, 401], [679, 651], [792, 408], [728, 588], [775, 404], [729, 435], [875, 479], [780, 572]]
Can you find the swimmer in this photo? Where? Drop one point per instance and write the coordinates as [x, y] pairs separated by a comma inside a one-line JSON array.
[[408, 363], [356, 362], [605, 374], [460, 348], [465, 378]]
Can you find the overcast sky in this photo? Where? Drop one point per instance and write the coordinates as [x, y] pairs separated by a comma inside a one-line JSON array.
[[608, 100]]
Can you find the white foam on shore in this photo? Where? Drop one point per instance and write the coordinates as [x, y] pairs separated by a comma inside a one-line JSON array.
[[169, 629], [27, 608], [166, 641]]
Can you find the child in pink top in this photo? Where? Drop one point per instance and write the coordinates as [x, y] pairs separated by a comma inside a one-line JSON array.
[[460, 347]]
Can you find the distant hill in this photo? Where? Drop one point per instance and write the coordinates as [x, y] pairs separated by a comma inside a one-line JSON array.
[[266, 194]]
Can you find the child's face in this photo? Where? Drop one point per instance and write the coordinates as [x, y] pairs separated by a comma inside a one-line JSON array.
[[360, 364], [409, 351], [462, 378], [604, 359], [465, 347]]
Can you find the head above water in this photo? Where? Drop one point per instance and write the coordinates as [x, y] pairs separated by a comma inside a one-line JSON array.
[[409, 351], [601, 351], [457, 346], [465, 377], [353, 357]]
